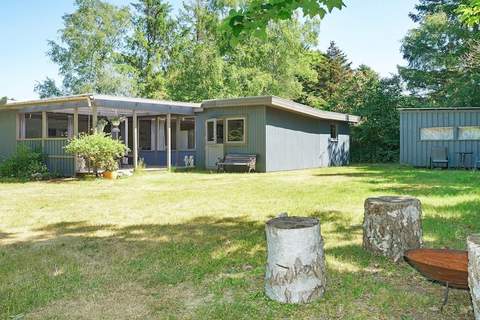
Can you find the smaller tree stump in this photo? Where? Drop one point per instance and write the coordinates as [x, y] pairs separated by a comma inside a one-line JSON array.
[[295, 271], [392, 225], [473, 246]]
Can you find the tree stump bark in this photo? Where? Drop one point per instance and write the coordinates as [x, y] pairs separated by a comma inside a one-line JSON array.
[[295, 271], [473, 246], [392, 225]]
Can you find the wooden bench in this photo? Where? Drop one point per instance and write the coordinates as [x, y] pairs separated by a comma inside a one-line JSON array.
[[237, 159]]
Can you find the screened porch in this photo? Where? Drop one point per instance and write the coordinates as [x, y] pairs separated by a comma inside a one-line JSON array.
[[158, 133]]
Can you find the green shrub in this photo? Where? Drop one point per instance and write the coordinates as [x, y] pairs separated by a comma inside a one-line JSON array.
[[98, 150], [25, 164]]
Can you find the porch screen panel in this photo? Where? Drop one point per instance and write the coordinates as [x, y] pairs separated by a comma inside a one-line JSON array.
[[187, 131], [436, 133], [58, 125], [145, 134], [33, 125]]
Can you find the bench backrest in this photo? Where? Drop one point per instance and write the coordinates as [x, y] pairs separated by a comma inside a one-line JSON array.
[[439, 153], [240, 157]]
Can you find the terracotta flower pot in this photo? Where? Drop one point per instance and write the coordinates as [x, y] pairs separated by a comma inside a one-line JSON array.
[[111, 175]]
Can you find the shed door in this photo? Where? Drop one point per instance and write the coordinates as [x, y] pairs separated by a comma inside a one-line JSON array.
[[214, 142]]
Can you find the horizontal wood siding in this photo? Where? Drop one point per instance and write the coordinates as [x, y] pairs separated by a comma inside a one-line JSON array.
[[416, 152], [255, 132], [297, 142], [8, 135]]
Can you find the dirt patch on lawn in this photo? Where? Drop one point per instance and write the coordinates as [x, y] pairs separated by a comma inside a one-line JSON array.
[[127, 302]]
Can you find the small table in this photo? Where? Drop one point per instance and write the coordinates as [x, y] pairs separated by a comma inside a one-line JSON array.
[[462, 155]]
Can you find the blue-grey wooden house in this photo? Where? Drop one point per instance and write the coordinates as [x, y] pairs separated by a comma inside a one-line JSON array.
[[456, 129], [283, 134]]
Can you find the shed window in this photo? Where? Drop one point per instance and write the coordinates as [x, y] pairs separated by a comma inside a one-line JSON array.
[[236, 130], [33, 125], [436, 133], [333, 132], [468, 133], [58, 125]]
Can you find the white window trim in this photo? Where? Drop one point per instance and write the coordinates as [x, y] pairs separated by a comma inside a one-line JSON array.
[[468, 139], [214, 131], [336, 131], [450, 127], [244, 130]]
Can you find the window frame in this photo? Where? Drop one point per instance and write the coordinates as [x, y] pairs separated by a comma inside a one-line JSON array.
[[336, 132], [470, 139], [450, 127], [244, 138], [214, 121]]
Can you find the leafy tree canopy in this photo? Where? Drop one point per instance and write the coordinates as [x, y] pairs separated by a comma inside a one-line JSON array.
[[254, 17], [470, 12]]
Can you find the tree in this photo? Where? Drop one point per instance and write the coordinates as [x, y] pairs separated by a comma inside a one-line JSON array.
[[470, 12], [88, 51], [436, 52], [254, 17], [376, 137], [47, 88], [150, 45]]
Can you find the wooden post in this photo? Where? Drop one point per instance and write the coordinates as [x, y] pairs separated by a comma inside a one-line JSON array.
[[473, 246], [295, 260], [75, 135], [392, 225], [135, 140], [94, 115], [44, 129], [75, 123], [177, 140], [169, 141]]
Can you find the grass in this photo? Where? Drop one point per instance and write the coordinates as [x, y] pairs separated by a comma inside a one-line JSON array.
[[191, 245]]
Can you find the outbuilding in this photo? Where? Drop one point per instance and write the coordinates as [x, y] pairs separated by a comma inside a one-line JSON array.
[[457, 130], [284, 135]]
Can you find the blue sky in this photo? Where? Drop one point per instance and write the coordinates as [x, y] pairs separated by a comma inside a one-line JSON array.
[[369, 31]]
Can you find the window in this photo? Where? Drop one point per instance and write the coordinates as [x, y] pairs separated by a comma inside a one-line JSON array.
[[436, 133], [211, 131], [33, 126], [57, 124], [236, 130], [468, 133], [333, 132], [84, 123]]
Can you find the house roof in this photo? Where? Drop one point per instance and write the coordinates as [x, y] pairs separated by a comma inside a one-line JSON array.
[[105, 102], [280, 103]]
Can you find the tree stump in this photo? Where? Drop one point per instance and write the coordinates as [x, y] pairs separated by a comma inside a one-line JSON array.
[[392, 225], [473, 246], [296, 263]]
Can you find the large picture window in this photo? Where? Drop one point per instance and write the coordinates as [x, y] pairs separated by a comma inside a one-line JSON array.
[[32, 126], [236, 130], [436, 133], [468, 133]]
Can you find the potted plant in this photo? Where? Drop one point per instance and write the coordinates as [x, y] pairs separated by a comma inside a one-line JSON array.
[[100, 150], [111, 167]]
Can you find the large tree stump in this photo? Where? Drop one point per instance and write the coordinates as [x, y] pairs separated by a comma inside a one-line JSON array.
[[295, 264], [392, 225], [473, 245]]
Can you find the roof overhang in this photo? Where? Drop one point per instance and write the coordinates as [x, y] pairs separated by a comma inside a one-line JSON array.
[[105, 102], [441, 109], [280, 103]]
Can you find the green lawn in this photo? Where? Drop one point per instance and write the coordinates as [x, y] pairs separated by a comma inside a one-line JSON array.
[[191, 245]]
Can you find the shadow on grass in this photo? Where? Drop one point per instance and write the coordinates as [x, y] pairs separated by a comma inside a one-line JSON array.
[[216, 256]]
